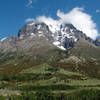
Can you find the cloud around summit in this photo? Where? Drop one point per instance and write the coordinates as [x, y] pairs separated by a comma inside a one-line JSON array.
[[81, 20]]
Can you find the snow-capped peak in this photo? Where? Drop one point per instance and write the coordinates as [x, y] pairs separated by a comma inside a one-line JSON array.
[[3, 39], [54, 28], [62, 35]]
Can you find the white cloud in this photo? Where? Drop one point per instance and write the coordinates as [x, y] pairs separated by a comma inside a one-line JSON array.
[[47, 20], [29, 3], [81, 20], [97, 11], [29, 20]]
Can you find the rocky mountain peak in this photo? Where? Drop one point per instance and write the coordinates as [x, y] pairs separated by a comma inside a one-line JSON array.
[[63, 35], [40, 29]]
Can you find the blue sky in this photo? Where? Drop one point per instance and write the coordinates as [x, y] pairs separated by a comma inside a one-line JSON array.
[[13, 13]]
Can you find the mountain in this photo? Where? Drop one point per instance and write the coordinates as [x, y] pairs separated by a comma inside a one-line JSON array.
[[63, 36], [37, 43], [49, 60]]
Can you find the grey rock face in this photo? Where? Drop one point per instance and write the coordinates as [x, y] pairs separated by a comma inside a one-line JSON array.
[[39, 34], [9, 44], [97, 42], [40, 29], [67, 35]]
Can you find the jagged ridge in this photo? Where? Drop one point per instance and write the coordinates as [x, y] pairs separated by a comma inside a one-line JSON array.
[[63, 36]]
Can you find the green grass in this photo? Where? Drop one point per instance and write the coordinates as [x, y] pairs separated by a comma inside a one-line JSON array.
[[27, 73], [41, 69]]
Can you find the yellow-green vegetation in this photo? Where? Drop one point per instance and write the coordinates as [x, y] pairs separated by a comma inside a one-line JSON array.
[[41, 69], [45, 82], [32, 77]]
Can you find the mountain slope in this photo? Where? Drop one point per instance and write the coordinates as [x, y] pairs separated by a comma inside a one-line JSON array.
[[49, 59], [38, 43]]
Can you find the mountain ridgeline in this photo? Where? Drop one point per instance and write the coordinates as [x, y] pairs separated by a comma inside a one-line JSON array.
[[63, 36], [38, 43], [49, 62]]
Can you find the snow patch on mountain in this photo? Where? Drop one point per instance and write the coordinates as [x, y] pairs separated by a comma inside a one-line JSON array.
[[39, 26], [32, 33], [61, 47], [3, 39], [57, 43]]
